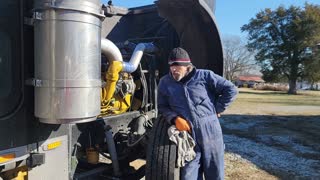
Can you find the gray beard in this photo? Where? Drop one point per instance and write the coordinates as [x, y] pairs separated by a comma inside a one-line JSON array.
[[178, 78]]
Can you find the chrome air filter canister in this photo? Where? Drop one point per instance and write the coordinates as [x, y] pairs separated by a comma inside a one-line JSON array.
[[67, 60]]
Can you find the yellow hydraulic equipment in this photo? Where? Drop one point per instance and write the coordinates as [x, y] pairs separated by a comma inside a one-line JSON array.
[[111, 102], [112, 77], [20, 173]]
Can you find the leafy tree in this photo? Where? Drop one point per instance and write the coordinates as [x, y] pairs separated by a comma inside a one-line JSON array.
[[237, 58], [312, 67], [282, 39], [270, 75]]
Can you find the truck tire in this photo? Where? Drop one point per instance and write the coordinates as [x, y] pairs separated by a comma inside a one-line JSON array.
[[161, 154]]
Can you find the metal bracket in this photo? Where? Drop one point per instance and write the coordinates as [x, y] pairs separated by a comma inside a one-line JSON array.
[[28, 21], [34, 82], [37, 16], [36, 159], [113, 10]]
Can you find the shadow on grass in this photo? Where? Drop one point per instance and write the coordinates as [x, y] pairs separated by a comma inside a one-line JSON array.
[[288, 103], [285, 146], [268, 92], [265, 92]]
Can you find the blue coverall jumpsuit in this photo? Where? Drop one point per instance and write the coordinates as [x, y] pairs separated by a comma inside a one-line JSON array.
[[198, 100]]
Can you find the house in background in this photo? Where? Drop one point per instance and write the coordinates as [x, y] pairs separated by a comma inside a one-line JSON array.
[[248, 80]]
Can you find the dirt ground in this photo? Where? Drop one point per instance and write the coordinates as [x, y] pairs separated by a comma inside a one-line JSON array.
[[270, 135]]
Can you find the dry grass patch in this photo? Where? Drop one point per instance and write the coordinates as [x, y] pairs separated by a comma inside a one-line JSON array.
[[241, 169], [259, 102]]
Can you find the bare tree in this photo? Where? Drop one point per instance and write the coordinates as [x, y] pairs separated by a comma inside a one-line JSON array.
[[237, 59]]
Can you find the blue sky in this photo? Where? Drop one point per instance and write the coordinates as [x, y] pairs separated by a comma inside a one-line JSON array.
[[230, 14]]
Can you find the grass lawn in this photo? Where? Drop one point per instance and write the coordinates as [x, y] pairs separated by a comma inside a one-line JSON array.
[[259, 102]]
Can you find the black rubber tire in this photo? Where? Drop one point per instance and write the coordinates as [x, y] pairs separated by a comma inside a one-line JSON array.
[[161, 154]]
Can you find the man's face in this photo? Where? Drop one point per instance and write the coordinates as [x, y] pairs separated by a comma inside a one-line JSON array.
[[178, 72]]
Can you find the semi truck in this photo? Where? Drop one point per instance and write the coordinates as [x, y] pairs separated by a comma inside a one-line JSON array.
[[78, 85]]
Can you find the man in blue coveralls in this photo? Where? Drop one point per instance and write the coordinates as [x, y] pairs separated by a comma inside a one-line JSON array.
[[193, 99]]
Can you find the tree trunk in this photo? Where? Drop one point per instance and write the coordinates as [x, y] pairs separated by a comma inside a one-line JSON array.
[[312, 86], [292, 86]]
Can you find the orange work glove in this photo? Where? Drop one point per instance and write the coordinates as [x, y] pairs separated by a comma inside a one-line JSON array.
[[182, 124]]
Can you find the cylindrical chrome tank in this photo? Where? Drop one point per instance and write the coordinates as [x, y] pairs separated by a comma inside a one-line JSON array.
[[67, 37]]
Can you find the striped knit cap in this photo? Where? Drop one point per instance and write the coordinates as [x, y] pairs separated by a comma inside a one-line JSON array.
[[179, 56]]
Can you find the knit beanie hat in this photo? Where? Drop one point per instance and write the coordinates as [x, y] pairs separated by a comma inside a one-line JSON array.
[[179, 56]]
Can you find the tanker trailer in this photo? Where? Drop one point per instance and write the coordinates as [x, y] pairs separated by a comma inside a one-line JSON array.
[[79, 85]]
